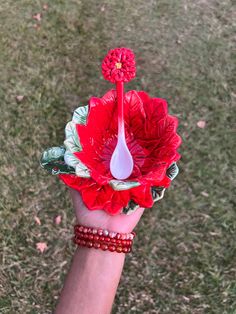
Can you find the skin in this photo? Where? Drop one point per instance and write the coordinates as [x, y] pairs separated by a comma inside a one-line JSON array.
[[94, 275]]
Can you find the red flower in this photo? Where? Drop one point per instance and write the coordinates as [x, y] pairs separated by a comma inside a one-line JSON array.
[[119, 65], [151, 138]]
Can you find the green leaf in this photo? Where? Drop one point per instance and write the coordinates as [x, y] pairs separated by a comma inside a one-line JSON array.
[[80, 115], [130, 208], [81, 170], [52, 160], [118, 185], [172, 171], [70, 159], [72, 142], [157, 193]]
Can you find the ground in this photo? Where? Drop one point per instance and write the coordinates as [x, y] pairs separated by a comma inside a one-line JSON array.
[[184, 254]]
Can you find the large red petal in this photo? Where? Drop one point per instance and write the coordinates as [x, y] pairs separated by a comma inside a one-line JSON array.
[[166, 127], [134, 113], [156, 109], [142, 196], [94, 135], [98, 197], [75, 182], [102, 112], [154, 175], [119, 200], [144, 97]]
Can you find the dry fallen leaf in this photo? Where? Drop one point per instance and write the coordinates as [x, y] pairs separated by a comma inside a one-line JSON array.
[[41, 246], [186, 299], [58, 220], [37, 17], [45, 7], [204, 193], [37, 220], [201, 124], [19, 98]]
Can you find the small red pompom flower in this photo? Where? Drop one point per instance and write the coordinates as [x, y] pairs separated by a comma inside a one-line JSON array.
[[119, 65]]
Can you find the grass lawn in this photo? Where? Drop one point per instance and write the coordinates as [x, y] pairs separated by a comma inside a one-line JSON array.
[[184, 258]]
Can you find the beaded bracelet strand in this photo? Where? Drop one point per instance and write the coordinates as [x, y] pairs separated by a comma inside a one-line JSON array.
[[103, 246], [103, 239], [95, 238], [112, 243], [104, 232]]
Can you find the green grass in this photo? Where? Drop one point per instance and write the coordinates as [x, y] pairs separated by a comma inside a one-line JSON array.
[[185, 254]]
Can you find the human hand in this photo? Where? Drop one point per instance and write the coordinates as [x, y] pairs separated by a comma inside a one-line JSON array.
[[98, 218]]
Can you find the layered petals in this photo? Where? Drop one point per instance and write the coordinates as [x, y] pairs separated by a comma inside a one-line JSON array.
[[151, 138], [119, 65], [96, 196]]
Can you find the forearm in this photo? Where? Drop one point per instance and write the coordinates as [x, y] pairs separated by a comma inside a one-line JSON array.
[[91, 283]]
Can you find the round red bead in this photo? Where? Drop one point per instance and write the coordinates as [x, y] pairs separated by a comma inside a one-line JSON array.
[[96, 238], [111, 248], [102, 238], [107, 239], [100, 232], [112, 234], [89, 244], [90, 237], [124, 249], [83, 242], [119, 249], [105, 232], [104, 247], [97, 245]]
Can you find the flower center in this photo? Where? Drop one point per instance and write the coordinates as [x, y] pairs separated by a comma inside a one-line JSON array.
[[118, 65]]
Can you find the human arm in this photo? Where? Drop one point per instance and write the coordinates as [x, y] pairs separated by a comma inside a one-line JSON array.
[[93, 278]]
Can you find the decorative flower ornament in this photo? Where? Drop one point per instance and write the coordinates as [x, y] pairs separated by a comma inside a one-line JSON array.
[[119, 65], [84, 161]]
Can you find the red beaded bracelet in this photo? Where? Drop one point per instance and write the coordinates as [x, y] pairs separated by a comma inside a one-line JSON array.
[[103, 239]]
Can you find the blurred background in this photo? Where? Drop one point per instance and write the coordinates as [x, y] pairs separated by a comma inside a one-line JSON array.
[[50, 55]]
